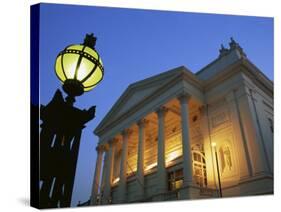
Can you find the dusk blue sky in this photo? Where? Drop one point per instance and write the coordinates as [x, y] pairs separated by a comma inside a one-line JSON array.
[[136, 44]]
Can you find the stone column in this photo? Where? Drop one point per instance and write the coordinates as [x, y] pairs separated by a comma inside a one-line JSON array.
[[140, 167], [161, 166], [186, 149], [109, 171], [122, 189], [105, 159], [96, 182]]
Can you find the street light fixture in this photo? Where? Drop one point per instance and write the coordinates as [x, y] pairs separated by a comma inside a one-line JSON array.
[[214, 145], [80, 69]]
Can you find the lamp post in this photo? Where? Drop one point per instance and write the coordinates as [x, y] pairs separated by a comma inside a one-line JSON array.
[[80, 69], [214, 145]]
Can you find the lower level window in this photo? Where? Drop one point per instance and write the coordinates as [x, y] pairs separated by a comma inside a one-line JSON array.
[[175, 179]]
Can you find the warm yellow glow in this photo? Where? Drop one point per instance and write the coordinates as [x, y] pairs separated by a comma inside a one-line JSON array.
[[178, 184], [91, 52], [151, 166], [116, 180], [59, 70], [94, 79], [173, 148], [132, 164], [81, 63], [214, 144], [69, 62], [173, 155], [89, 88], [85, 68]]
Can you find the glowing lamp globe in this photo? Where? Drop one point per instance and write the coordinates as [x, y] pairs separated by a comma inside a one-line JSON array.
[[79, 67]]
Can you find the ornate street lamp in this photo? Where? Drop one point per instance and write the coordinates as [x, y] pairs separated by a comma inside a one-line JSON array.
[[80, 69]]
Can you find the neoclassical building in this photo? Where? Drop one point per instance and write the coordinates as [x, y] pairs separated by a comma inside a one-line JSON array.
[[180, 135]]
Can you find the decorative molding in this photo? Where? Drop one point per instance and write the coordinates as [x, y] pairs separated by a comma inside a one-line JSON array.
[[113, 141], [105, 146], [126, 132], [161, 111], [245, 66], [181, 74], [219, 119], [184, 97], [217, 103], [142, 122], [267, 104], [171, 74], [101, 148]]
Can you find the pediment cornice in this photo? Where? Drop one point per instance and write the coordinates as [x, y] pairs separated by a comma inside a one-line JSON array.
[[169, 78], [243, 66]]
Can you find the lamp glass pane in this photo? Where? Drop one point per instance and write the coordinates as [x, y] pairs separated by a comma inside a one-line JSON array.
[[89, 88], [91, 52], [85, 68], [69, 64], [58, 68], [94, 78]]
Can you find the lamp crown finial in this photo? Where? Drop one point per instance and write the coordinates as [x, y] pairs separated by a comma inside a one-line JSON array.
[[90, 40]]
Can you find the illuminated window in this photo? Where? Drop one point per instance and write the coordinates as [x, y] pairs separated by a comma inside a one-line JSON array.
[[132, 157], [199, 168], [150, 152], [173, 148], [175, 179], [116, 166]]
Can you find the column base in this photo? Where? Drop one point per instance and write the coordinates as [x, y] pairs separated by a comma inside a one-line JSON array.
[[189, 192], [93, 201], [105, 201]]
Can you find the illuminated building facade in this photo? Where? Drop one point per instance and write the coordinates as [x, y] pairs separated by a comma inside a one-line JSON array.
[[155, 144]]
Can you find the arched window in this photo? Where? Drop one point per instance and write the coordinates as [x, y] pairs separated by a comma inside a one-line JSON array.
[[199, 168]]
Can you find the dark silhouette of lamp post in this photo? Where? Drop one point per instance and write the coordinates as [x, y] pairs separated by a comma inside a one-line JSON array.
[[218, 168], [80, 69]]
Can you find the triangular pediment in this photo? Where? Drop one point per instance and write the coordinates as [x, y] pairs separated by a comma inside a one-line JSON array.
[[137, 92]]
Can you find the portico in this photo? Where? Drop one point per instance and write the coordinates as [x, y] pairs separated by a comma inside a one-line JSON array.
[[156, 139], [145, 149]]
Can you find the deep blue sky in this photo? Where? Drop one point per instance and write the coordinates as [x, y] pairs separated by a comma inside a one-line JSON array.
[[136, 44]]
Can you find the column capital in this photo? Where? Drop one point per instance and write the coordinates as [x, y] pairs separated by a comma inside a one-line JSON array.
[[106, 147], [183, 97], [126, 132], [100, 148], [161, 110], [112, 141], [142, 122]]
